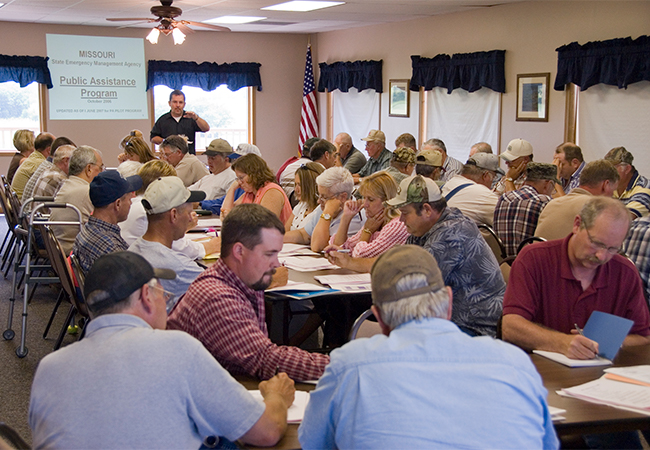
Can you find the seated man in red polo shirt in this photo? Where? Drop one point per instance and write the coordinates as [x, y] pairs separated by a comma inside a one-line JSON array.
[[556, 285]]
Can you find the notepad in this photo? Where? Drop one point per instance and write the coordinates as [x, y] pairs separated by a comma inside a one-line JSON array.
[[562, 359], [296, 411]]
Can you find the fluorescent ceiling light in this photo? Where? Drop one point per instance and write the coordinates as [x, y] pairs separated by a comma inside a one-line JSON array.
[[302, 5], [234, 19], [1, 5]]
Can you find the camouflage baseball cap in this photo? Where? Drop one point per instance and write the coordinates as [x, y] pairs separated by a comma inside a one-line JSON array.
[[404, 155], [536, 171], [619, 155], [415, 189]]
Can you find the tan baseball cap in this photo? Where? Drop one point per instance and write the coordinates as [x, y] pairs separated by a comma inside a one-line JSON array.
[[219, 146], [375, 135], [166, 193], [397, 262], [429, 157], [415, 189], [516, 149]]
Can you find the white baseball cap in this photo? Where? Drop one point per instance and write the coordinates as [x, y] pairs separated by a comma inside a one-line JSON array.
[[516, 149]]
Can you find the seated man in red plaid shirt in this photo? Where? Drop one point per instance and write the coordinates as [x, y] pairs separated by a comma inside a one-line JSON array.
[[224, 306]]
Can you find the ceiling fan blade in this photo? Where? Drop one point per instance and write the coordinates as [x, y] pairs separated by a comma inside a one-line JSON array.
[[184, 28], [133, 24], [206, 25], [131, 19]]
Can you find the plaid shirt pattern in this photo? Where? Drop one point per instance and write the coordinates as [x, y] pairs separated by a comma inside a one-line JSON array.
[[574, 180], [229, 319], [97, 238], [637, 195], [516, 216], [392, 234], [637, 248], [375, 165], [49, 183]]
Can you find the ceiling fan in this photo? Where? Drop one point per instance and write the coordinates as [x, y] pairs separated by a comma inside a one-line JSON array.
[[166, 15]]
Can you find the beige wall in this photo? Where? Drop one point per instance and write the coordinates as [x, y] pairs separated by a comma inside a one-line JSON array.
[[277, 106], [529, 32]]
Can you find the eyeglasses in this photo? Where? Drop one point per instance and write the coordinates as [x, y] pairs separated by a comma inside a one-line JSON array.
[[102, 167], [240, 179], [600, 246], [324, 199]]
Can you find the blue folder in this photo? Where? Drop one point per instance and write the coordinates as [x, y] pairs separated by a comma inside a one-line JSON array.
[[609, 331]]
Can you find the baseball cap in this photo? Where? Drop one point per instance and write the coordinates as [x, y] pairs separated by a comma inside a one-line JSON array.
[[375, 135], [218, 146], [244, 149], [404, 155], [115, 276], [486, 161], [429, 157], [517, 148], [109, 185], [619, 155], [397, 262], [541, 171], [166, 193], [415, 189]]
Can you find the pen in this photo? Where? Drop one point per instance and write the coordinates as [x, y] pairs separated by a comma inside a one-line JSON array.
[[342, 250], [578, 329]]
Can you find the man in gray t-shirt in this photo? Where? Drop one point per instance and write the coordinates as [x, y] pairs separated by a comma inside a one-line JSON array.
[[143, 386]]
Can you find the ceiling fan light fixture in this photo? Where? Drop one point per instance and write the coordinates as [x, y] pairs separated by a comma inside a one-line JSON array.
[[153, 36], [178, 36]]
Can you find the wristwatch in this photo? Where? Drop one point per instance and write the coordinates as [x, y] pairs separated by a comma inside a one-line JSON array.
[[509, 179], [326, 216]]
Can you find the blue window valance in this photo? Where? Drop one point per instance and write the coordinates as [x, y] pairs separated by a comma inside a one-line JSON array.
[[345, 75], [25, 70], [469, 71], [617, 62], [207, 76]]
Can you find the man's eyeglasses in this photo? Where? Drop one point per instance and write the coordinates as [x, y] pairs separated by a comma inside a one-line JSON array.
[[102, 167], [600, 246]]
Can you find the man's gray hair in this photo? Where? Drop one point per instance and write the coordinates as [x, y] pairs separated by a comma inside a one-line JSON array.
[[337, 180], [417, 307], [64, 151], [436, 143], [597, 206], [81, 157], [118, 307]]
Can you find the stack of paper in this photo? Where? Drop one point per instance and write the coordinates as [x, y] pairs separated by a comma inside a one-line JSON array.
[[296, 411], [556, 413], [635, 374], [306, 263], [210, 223], [619, 394], [296, 249], [358, 282]]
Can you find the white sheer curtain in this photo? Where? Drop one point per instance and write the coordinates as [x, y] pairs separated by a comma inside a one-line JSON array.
[[461, 119], [355, 113], [609, 117]]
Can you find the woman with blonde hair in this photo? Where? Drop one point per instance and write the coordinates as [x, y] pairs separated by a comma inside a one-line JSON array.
[[258, 183], [306, 192], [383, 228], [24, 143], [134, 148]]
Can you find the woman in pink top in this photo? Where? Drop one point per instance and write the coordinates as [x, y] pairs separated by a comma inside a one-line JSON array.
[[258, 183], [382, 230]]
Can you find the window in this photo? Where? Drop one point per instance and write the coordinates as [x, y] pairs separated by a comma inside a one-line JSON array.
[[226, 112], [20, 110]]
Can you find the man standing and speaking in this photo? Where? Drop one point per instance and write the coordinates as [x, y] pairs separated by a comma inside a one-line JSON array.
[[178, 121]]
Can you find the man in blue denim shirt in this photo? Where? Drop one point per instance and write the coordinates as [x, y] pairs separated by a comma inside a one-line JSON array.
[[422, 383], [465, 260]]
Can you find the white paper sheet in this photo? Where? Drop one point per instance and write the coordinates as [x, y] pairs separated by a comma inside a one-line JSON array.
[[296, 411], [614, 393]]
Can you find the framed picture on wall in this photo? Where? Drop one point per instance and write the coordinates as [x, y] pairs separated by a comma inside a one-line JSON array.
[[398, 105], [532, 97]]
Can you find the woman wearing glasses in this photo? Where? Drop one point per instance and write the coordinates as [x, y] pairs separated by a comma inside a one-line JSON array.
[[382, 229], [306, 192], [258, 182]]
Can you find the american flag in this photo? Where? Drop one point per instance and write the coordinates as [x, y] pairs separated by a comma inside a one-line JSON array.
[[309, 113]]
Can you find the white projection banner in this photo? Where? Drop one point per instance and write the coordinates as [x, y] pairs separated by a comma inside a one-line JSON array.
[[96, 78]]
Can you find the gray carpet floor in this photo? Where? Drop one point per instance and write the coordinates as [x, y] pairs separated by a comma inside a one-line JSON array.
[[17, 373]]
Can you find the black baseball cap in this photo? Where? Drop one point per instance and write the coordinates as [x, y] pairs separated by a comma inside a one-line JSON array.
[[115, 276], [109, 185]]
